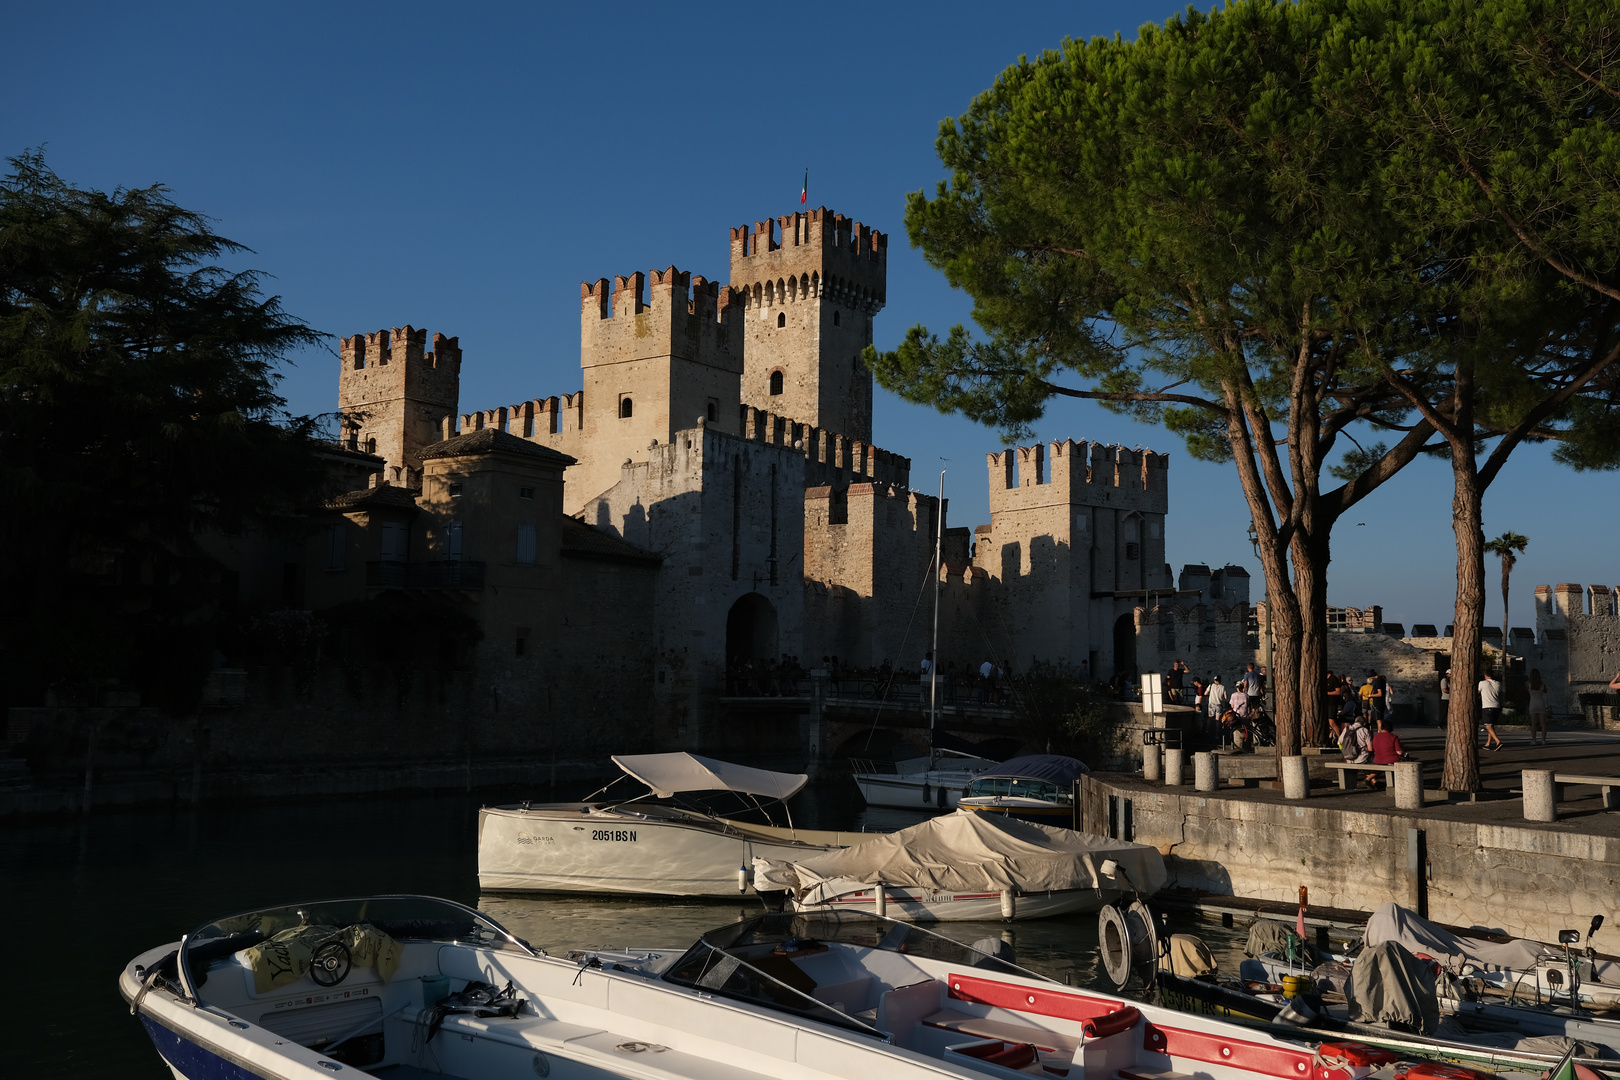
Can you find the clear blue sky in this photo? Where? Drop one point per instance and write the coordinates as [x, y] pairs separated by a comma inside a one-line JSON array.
[[463, 167]]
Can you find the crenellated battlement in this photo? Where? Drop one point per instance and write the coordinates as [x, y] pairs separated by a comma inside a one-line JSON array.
[[1082, 473], [812, 254], [1557, 604], [831, 457], [668, 312]]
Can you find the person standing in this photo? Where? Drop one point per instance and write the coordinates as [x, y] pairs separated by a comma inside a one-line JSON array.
[[1375, 701], [1445, 694], [1333, 693], [1173, 682], [1215, 696], [1490, 709], [1249, 682], [1538, 708], [1199, 689]]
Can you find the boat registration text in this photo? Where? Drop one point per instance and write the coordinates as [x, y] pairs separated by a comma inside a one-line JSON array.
[[621, 835]]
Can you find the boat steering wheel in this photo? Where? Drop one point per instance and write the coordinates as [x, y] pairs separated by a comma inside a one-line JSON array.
[[331, 963]]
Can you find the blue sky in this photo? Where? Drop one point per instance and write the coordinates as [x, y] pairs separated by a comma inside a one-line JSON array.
[[463, 167]]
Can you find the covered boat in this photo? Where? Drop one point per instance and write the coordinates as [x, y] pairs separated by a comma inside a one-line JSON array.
[[651, 842], [969, 866], [1036, 787]]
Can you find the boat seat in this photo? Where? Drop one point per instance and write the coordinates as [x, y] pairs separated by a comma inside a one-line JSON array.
[[900, 1010], [1011, 1060], [1048, 1042]]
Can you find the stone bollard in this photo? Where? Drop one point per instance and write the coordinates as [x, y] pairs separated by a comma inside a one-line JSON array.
[[1408, 785], [1172, 766], [1206, 772], [1296, 777], [1540, 795], [1151, 762]]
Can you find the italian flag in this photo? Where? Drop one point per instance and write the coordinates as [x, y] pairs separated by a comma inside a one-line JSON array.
[[804, 193]]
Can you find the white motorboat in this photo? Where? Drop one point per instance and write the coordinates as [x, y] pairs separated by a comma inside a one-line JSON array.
[[1036, 787], [638, 846], [410, 988], [936, 782], [969, 867]]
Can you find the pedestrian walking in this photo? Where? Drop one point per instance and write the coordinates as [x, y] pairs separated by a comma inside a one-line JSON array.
[[1490, 710], [1538, 708]]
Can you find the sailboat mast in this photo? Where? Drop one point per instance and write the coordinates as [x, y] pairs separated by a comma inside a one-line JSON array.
[[933, 665]]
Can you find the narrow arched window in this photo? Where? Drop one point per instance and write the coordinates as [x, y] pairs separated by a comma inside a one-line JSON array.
[[776, 383], [712, 412], [836, 320], [626, 409], [781, 318]]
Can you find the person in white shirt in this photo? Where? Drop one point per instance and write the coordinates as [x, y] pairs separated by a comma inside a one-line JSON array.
[[1490, 710], [1215, 700]]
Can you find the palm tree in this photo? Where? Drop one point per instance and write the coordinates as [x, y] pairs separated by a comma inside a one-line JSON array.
[[1509, 546]]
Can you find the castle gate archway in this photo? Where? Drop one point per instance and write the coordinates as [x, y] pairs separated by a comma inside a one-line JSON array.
[[1125, 646], [751, 630]]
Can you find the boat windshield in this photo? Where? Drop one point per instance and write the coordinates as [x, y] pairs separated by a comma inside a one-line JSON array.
[[403, 918], [752, 960]]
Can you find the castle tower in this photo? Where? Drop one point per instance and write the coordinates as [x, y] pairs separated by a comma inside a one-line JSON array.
[[656, 361], [810, 284], [1076, 543], [393, 395]]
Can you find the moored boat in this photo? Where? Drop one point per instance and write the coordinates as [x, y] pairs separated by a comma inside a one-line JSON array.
[[412, 988], [936, 782], [1036, 787], [645, 844], [965, 867]]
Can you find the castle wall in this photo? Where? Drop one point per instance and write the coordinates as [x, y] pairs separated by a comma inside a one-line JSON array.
[[394, 396], [876, 543], [1581, 628], [1212, 639], [726, 513]]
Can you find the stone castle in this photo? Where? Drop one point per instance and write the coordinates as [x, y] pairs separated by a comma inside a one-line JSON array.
[[712, 495]]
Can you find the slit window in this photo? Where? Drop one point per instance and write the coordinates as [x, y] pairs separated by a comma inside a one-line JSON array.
[[836, 320], [713, 413], [525, 545], [776, 384], [626, 408], [781, 318]]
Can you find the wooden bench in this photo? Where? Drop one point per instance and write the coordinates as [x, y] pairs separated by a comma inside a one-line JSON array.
[[1346, 768], [1607, 784]]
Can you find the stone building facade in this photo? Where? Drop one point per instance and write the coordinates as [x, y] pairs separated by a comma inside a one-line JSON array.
[[711, 496]]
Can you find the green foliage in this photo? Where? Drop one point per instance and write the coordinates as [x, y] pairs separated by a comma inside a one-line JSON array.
[[137, 409], [1061, 713]]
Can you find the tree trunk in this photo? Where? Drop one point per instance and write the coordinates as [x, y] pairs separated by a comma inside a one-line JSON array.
[[1507, 570], [1462, 755], [1310, 555]]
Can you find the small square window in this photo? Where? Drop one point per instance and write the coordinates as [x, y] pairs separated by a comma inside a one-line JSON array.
[[525, 493], [455, 491]]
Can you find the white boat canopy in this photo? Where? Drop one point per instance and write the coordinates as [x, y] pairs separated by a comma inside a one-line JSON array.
[[970, 852], [670, 774]]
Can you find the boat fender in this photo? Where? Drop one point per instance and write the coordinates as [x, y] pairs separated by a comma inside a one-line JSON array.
[[742, 878], [939, 799], [1009, 905], [925, 792]]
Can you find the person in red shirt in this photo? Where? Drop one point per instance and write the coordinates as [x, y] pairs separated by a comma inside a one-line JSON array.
[[1387, 748]]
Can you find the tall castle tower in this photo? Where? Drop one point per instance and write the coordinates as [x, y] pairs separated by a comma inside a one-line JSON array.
[[656, 361], [810, 284], [392, 395]]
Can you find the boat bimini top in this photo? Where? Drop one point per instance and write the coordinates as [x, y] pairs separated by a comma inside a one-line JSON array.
[[672, 774]]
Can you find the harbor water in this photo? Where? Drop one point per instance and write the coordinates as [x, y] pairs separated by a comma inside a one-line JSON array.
[[82, 896]]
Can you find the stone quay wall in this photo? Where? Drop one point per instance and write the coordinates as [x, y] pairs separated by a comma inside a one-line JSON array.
[[1520, 879]]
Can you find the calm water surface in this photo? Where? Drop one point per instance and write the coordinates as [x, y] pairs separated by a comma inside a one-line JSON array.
[[82, 897]]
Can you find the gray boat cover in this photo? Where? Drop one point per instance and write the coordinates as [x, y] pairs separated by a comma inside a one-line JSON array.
[[969, 853], [1268, 937], [1389, 985], [1058, 769], [1391, 922]]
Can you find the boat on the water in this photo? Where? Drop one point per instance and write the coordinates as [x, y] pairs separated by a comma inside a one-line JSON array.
[[968, 867], [1036, 787], [411, 988], [646, 843], [935, 782]]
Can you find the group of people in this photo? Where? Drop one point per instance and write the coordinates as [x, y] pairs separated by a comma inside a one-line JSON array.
[[1372, 701], [1213, 703], [990, 687]]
